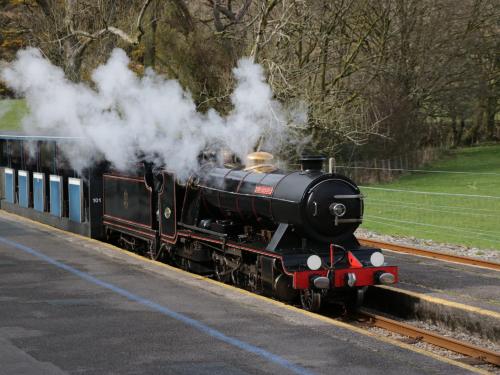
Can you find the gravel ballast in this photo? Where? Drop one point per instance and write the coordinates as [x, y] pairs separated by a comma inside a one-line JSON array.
[[472, 252]]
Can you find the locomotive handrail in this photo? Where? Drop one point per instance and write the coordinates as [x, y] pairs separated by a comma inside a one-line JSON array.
[[245, 194], [349, 196], [203, 230]]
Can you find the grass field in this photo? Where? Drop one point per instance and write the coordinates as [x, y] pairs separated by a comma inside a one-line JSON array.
[[11, 113], [455, 200]]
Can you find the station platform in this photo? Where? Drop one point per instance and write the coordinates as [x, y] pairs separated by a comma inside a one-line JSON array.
[[74, 305], [460, 283]]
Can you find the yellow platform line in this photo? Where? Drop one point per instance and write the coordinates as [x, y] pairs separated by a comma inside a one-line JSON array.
[[445, 302], [325, 319]]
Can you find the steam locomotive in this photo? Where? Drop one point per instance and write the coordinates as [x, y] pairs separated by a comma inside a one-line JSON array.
[[289, 235], [284, 234]]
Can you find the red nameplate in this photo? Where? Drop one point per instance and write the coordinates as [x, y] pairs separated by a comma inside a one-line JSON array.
[[265, 190]]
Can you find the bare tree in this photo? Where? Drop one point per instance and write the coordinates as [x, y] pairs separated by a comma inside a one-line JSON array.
[[381, 77], [74, 25]]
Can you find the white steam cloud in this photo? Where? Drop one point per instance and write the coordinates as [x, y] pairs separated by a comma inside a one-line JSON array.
[[123, 115]]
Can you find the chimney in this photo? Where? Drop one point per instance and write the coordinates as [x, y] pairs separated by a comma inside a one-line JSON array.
[[312, 162]]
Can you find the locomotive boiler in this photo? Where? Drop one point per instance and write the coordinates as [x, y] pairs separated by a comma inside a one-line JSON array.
[[320, 207]]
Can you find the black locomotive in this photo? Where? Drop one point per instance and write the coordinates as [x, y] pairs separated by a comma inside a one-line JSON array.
[[289, 235], [284, 234]]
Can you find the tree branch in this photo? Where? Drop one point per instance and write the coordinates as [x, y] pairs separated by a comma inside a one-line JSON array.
[[227, 11], [139, 27], [133, 39], [270, 4]]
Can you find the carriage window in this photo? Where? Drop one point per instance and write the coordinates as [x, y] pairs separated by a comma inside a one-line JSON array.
[[30, 150], [47, 157], [3, 153], [63, 165], [15, 154]]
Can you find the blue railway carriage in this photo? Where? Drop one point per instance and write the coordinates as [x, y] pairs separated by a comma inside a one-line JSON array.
[[37, 181]]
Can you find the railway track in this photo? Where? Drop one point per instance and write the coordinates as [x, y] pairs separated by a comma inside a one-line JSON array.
[[418, 334], [430, 254]]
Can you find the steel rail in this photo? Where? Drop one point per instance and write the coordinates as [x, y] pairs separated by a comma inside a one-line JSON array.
[[430, 337], [430, 253]]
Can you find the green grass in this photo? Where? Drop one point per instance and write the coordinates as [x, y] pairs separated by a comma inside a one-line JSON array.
[[471, 217], [11, 113]]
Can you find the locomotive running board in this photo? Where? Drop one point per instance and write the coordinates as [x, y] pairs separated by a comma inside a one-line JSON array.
[[277, 236], [202, 230]]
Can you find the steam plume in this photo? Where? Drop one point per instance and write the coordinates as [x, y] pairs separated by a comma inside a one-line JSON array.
[[125, 115]]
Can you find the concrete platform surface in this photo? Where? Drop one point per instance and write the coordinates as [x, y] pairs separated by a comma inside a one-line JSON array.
[[469, 285], [72, 305]]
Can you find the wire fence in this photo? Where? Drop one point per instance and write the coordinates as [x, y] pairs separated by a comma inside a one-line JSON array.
[[466, 219], [457, 201], [449, 206], [386, 170]]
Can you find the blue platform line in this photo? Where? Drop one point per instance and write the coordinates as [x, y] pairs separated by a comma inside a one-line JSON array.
[[164, 310]]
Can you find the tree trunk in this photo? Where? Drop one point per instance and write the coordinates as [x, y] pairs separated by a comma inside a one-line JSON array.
[[324, 60], [460, 133], [454, 129], [72, 59], [473, 133], [491, 110], [270, 4], [150, 43]]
